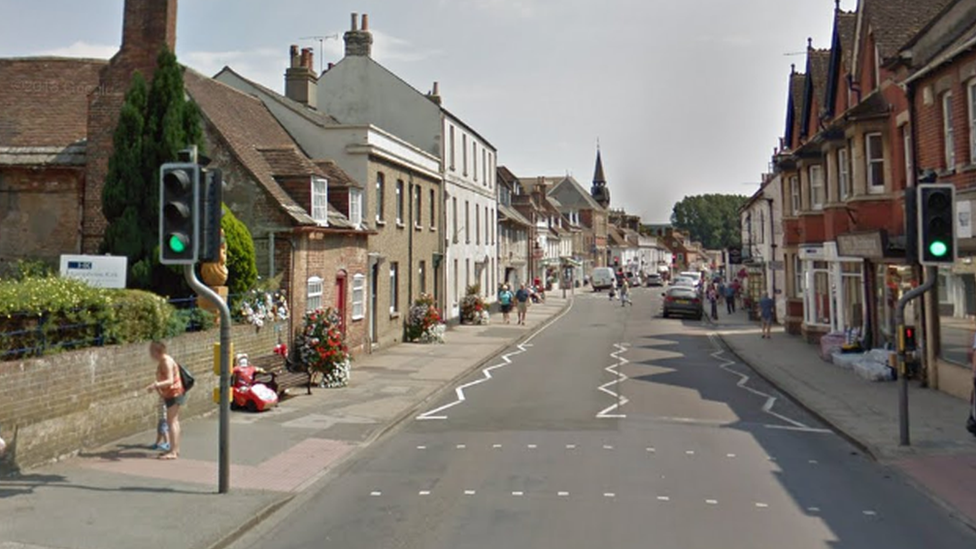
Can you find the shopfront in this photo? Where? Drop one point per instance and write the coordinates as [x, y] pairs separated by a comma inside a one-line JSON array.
[[833, 292]]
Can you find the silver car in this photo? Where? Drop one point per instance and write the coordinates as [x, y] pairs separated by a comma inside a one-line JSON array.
[[684, 301]]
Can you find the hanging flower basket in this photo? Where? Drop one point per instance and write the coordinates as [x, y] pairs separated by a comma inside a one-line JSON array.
[[322, 347], [424, 323]]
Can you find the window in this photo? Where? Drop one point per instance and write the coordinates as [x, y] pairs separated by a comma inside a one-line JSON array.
[[972, 121], [454, 214], [313, 294], [457, 280], [487, 226], [394, 288], [816, 188], [797, 276], [795, 203], [467, 273], [380, 197], [484, 165], [320, 201], [464, 153], [906, 140], [399, 202], [418, 207], [453, 168], [477, 224], [356, 207], [433, 209], [467, 222], [474, 159], [358, 296], [874, 162], [844, 174], [422, 274], [948, 132]]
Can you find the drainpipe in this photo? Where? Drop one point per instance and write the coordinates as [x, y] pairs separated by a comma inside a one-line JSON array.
[[412, 188], [772, 248]]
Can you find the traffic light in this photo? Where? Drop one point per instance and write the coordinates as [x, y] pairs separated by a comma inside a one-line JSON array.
[[179, 232], [936, 224], [211, 204]]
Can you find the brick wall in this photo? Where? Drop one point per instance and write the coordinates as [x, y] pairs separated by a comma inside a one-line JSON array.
[[929, 137], [64, 403], [39, 212]]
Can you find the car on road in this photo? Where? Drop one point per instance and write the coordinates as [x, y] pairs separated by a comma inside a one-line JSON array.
[[694, 275], [653, 279], [683, 281], [602, 278], [684, 301]]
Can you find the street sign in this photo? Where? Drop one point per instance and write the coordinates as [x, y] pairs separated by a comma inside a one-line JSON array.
[[735, 256], [100, 271]]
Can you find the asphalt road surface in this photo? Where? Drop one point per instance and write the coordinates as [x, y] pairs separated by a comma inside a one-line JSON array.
[[615, 428]]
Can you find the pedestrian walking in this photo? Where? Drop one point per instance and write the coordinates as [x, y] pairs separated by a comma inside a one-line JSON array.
[[713, 301], [613, 290], [730, 298], [169, 386], [766, 306], [505, 298], [625, 294], [522, 297]]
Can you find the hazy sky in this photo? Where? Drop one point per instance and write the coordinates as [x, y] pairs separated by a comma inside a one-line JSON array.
[[685, 96]]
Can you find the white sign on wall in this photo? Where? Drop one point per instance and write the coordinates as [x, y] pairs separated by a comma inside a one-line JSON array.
[[964, 219], [101, 271]]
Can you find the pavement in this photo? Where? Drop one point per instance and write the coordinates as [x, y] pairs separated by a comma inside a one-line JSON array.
[[120, 497], [941, 460], [615, 428]]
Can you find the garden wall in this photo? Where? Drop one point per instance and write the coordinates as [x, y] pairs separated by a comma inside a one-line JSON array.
[[57, 405]]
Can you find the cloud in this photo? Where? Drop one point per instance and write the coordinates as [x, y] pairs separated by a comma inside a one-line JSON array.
[[264, 65], [390, 48], [83, 49], [523, 9]]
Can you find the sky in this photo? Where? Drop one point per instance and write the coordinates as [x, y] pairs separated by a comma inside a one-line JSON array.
[[684, 96]]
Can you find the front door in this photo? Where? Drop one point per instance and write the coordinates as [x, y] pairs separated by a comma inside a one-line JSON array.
[[340, 299], [373, 296]]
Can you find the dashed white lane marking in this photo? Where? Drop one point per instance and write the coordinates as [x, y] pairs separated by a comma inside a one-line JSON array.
[[743, 384], [663, 498], [813, 509], [690, 452], [496, 445], [469, 492], [609, 495], [436, 413], [607, 447], [870, 513], [421, 447], [611, 412], [711, 501], [730, 455], [374, 494], [570, 446], [813, 462], [770, 458], [531, 446], [563, 494], [651, 450], [461, 446], [517, 494], [423, 493], [762, 505]]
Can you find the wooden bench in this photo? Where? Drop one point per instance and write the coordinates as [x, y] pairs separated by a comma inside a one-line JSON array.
[[282, 376]]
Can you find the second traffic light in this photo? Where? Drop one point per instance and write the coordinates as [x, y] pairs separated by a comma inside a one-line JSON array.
[[179, 230], [936, 224]]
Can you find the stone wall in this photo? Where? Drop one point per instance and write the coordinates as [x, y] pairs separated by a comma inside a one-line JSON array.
[[55, 406], [39, 212]]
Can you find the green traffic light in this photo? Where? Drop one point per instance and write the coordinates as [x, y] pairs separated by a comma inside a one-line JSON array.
[[177, 243], [938, 248]]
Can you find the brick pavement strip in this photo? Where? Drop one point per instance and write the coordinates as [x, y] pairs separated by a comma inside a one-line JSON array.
[[942, 459]]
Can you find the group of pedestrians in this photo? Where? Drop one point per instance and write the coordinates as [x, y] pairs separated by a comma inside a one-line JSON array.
[[720, 291], [519, 299], [624, 288]]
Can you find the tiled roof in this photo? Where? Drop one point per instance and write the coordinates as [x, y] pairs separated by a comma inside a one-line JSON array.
[[847, 28], [584, 198], [511, 214], [289, 162], [44, 100], [336, 175], [797, 82], [313, 115], [818, 64], [247, 127], [895, 22]]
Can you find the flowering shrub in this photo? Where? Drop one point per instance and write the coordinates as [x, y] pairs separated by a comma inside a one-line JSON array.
[[474, 310], [258, 306], [424, 323], [322, 348]]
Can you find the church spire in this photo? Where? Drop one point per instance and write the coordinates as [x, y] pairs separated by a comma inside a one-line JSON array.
[[599, 190]]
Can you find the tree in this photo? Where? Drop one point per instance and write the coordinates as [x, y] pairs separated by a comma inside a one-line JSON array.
[[242, 267], [712, 219], [154, 125]]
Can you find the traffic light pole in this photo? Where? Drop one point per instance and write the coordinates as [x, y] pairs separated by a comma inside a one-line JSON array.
[[223, 446], [930, 279]]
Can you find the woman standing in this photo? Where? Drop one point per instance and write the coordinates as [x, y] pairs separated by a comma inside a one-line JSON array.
[[505, 297], [170, 387]]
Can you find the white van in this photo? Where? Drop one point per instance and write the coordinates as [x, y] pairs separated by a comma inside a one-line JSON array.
[[602, 278]]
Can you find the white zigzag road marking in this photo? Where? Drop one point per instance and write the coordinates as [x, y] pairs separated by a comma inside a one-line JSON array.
[[770, 400], [620, 378], [486, 372]]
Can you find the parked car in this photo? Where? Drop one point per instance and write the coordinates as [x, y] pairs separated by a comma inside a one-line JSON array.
[[602, 278], [653, 279], [683, 300]]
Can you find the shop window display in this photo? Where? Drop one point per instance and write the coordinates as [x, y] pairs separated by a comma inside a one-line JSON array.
[[956, 309]]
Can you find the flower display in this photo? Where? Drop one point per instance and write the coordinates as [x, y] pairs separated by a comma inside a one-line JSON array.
[[474, 310], [257, 307], [424, 323], [322, 347]]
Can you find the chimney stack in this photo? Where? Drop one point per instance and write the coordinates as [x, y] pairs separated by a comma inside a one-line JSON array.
[[301, 83], [435, 94], [359, 42]]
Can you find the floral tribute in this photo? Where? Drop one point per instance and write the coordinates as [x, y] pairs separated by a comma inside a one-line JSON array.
[[474, 310], [424, 323], [257, 307], [322, 347]]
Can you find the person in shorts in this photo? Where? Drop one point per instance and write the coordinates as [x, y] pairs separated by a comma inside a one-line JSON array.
[[766, 306], [522, 297], [169, 386], [505, 298]]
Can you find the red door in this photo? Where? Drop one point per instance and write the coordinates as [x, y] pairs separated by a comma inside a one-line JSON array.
[[340, 304]]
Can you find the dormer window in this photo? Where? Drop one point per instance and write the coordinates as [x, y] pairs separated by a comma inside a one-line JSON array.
[[320, 201]]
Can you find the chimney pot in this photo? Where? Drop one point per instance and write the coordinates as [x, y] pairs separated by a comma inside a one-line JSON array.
[[365, 26], [359, 42], [437, 88], [293, 55], [355, 22]]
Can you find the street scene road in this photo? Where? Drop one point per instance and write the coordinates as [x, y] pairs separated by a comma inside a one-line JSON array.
[[614, 427]]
